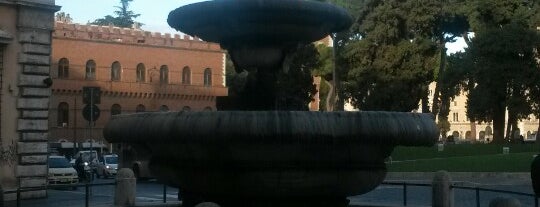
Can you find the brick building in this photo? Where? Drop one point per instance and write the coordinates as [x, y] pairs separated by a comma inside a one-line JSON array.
[[136, 71]]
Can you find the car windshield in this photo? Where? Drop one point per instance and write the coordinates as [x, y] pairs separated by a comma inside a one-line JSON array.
[[111, 160], [58, 163]]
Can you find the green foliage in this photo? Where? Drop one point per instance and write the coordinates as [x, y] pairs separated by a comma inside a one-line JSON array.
[[124, 17], [485, 14], [295, 88], [235, 81], [393, 61], [326, 62], [392, 78], [503, 65]]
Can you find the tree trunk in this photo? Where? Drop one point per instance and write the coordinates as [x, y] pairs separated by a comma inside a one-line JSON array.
[[330, 98], [425, 101], [338, 104], [440, 78], [499, 117], [444, 111], [508, 134], [473, 130]]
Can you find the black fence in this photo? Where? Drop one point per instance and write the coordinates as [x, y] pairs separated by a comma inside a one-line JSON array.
[[477, 191], [87, 191], [405, 186]]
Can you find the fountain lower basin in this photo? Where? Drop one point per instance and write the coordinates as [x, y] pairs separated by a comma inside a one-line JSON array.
[[271, 154]]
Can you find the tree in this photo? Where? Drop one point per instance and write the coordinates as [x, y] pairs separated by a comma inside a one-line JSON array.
[[325, 71], [339, 67], [504, 63], [295, 88], [124, 17], [455, 76], [390, 64]]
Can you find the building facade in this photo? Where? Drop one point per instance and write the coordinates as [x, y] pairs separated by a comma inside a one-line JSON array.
[[136, 71], [25, 46], [462, 129]]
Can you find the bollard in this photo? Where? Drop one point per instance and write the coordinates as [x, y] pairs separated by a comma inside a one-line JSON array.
[[126, 184], [1, 196], [207, 204], [504, 202], [443, 195]]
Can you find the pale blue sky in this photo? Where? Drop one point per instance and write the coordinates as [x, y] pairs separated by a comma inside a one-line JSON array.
[[153, 13]]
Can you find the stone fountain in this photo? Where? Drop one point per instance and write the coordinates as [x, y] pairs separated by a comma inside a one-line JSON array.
[[263, 157]]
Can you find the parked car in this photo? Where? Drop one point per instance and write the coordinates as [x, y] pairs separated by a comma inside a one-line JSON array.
[[61, 172], [107, 166]]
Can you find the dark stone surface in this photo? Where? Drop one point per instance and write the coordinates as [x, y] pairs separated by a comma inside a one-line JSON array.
[[271, 155], [259, 33]]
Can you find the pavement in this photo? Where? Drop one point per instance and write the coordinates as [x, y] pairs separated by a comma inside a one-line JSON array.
[[382, 196]]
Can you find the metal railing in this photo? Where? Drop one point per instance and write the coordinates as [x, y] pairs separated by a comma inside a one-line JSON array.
[[476, 189], [86, 186]]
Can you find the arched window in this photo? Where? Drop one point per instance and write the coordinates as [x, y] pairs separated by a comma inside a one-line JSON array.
[[63, 114], [90, 70], [186, 75], [186, 108], [208, 77], [163, 108], [141, 73], [116, 71], [116, 109], [140, 108], [63, 68], [164, 74], [208, 108]]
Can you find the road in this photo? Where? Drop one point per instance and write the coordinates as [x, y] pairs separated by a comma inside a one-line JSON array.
[[147, 192], [150, 192]]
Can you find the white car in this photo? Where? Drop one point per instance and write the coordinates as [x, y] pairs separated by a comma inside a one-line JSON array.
[[107, 166], [61, 172]]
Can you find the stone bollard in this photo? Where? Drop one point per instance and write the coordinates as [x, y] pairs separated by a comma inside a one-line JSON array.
[[504, 202], [126, 184], [443, 195], [207, 204]]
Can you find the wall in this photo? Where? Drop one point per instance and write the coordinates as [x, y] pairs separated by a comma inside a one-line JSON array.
[[130, 47], [25, 95]]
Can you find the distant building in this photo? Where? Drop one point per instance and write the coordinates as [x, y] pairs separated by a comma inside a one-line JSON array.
[[137, 71], [462, 129]]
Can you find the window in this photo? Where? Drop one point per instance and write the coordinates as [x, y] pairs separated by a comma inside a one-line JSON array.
[[186, 75], [186, 108], [456, 117], [163, 108], [63, 68], [141, 73], [90, 70], [116, 109], [63, 114], [140, 108], [164, 74], [208, 77], [116, 70]]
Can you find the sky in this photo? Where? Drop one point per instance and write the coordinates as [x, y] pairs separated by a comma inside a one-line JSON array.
[[153, 14]]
